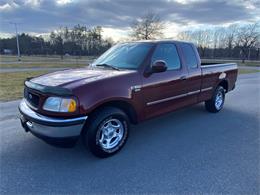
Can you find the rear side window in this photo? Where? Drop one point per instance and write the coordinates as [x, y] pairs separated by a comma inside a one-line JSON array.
[[169, 54], [189, 55]]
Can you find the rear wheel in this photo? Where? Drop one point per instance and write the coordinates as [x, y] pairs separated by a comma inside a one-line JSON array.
[[215, 104], [106, 132]]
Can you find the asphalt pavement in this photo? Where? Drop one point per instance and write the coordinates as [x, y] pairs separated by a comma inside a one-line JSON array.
[[189, 151]]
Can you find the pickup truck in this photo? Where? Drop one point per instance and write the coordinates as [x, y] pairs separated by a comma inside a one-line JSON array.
[[129, 83]]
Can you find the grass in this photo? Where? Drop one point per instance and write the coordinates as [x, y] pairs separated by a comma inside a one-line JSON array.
[[247, 71], [250, 63], [7, 61], [12, 84], [42, 65]]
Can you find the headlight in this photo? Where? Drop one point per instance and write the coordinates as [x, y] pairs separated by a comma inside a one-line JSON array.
[[58, 104]]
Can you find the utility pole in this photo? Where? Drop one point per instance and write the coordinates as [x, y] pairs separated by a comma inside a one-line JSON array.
[[17, 41]]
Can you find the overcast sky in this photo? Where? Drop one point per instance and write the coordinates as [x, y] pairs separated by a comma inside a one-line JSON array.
[[115, 16]]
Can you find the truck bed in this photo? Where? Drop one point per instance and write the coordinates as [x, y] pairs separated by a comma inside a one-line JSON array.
[[216, 64], [213, 72]]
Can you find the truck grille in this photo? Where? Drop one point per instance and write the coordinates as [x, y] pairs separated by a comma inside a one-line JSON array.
[[31, 98]]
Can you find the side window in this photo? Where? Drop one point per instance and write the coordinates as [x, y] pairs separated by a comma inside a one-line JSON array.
[[189, 55], [168, 53]]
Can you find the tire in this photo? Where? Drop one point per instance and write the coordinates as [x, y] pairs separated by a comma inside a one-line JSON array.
[[107, 132], [215, 104]]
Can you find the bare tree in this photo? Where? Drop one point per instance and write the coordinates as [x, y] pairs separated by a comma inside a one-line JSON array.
[[247, 37], [230, 37], [201, 38], [257, 45], [185, 35], [147, 27], [239, 41]]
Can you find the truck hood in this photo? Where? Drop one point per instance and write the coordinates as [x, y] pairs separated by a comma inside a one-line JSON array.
[[77, 76]]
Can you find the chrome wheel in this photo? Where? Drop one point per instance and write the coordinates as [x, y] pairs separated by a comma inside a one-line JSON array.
[[219, 100], [111, 133]]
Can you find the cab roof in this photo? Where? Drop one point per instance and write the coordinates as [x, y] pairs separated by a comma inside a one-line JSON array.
[[159, 41]]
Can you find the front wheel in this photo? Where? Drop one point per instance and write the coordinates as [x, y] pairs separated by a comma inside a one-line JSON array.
[[215, 104], [106, 132]]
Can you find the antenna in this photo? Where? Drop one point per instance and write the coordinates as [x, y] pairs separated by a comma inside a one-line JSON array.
[[17, 41]]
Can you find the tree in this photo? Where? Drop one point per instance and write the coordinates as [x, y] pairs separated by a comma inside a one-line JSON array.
[[257, 45], [78, 40], [234, 41], [230, 36], [58, 42], [185, 35], [247, 37], [147, 27]]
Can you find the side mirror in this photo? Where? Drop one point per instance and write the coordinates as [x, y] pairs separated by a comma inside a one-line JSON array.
[[159, 66]]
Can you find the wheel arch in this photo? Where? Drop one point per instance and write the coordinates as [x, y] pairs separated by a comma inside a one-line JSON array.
[[123, 105], [224, 84]]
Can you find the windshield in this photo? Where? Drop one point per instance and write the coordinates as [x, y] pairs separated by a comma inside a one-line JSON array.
[[124, 56]]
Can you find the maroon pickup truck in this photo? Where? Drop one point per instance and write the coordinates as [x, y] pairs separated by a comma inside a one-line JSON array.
[[129, 83]]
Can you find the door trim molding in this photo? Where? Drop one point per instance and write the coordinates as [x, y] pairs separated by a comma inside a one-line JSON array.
[[206, 89], [178, 96], [166, 99], [173, 98]]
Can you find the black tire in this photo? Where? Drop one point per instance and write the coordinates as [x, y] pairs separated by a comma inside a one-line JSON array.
[[211, 104], [93, 130]]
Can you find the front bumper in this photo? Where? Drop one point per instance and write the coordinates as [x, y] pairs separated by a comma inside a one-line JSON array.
[[55, 131]]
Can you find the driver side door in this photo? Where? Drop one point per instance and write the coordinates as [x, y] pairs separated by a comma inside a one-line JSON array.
[[162, 92]]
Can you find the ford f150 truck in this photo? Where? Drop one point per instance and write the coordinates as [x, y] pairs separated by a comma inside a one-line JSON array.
[[129, 83]]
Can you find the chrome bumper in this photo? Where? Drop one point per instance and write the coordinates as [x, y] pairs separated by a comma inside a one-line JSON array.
[[49, 126]]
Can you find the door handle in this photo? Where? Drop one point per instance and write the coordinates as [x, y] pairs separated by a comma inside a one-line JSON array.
[[183, 78]]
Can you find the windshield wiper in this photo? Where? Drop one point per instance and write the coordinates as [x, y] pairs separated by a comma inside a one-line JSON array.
[[108, 65]]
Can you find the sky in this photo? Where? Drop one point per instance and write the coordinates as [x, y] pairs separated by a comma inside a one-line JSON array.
[[40, 17]]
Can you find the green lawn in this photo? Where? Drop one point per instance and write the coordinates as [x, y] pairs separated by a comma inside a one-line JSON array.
[[247, 71], [12, 84], [44, 61], [43, 65], [251, 63]]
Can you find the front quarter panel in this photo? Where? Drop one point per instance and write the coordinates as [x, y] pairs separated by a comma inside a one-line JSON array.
[[118, 88]]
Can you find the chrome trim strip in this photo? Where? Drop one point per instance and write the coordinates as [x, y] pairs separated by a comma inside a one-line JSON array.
[[166, 99], [216, 65], [206, 89], [29, 112], [172, 98], [193, 92]]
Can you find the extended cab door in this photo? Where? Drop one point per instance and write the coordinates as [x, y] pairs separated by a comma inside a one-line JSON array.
[[191, 60], [163, 92]]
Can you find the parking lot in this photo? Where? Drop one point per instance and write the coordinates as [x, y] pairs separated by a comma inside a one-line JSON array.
[[188, 151]]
